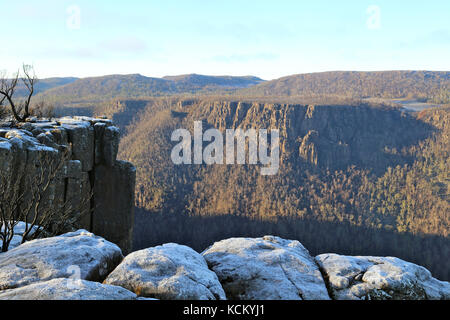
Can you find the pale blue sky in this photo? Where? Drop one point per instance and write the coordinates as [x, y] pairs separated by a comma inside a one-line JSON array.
[[268, 39]]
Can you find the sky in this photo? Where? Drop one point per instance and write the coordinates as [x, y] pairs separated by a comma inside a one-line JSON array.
[[268, 39]]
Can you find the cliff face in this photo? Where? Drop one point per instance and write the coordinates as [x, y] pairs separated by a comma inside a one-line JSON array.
[[331, 137], [313, 138], [89, 173]]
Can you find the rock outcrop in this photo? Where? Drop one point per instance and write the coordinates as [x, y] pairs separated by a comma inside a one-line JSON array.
[[380, 278], [266, 268], [77, 254], [67, 289], [170, 271], [85, 181], [82, 266]]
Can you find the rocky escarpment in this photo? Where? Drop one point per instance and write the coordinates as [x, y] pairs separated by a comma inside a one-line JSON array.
[[325, 136], [72, 266], [90, 176]]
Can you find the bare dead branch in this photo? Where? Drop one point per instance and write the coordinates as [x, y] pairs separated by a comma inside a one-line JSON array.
[[8, 87]]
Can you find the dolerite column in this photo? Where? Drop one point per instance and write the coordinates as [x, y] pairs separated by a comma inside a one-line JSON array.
[[114, 181], [113, 216]]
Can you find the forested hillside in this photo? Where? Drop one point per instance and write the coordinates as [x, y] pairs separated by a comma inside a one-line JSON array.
[[384, 84], [90, 91]]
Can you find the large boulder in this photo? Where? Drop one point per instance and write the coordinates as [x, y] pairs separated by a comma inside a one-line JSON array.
[[385, 278], [80, 254], [169, 272], [67, 289], [268, 268]]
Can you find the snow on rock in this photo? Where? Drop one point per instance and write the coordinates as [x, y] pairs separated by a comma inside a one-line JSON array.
[[354, 278], [26, 139], [169, 272], [77, 253], [268, 268], [67, 289]]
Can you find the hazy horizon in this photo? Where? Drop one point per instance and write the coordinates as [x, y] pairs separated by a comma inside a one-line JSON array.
[[232, 75]]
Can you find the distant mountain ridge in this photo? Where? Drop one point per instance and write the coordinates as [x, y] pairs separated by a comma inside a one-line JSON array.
[[198, 80], [426, 85], [358, 84], [136, 85]]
